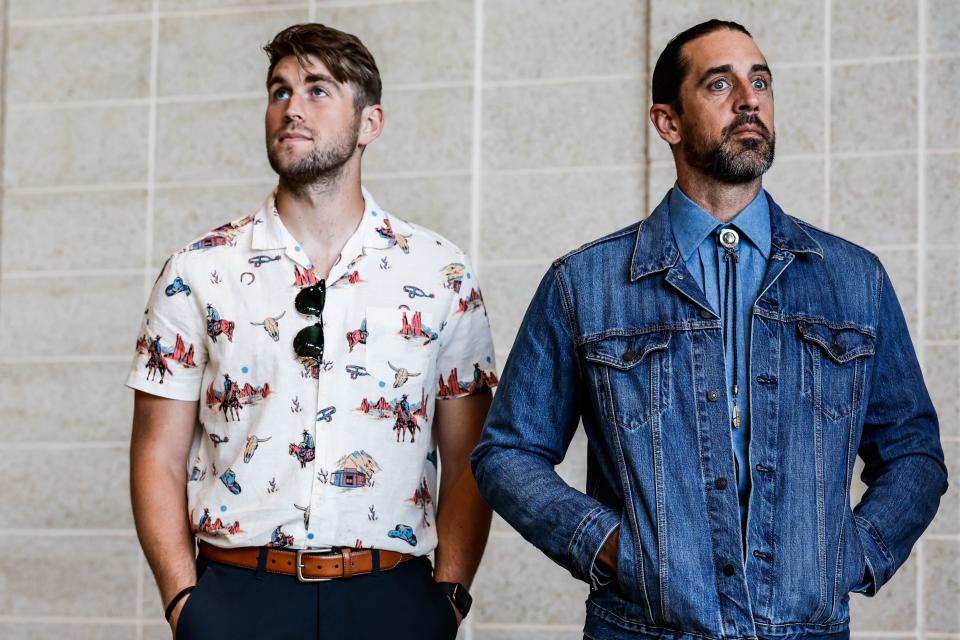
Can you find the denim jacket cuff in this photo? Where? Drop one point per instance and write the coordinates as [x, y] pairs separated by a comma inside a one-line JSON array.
[[591, 534], [876, 557]]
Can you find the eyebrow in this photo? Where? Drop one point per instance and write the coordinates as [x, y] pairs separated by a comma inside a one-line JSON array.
[[726, 68], [313, 77]]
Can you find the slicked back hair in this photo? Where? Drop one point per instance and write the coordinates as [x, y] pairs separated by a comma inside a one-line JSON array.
[[347, 59], [672, 65]]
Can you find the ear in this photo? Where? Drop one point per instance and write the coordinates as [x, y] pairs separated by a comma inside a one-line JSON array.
[[667, 122], [371, 125]]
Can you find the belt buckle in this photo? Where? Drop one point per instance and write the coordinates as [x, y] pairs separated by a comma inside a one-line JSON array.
[[310, 552]]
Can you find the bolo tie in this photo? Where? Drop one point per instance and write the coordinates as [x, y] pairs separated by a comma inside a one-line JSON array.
[[729, 239]]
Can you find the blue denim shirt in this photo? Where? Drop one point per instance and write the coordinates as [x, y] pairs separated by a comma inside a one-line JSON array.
[[696, 234], [615, 338]]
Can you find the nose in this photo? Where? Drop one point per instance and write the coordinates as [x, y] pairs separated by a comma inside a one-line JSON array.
[[747, 100], [294, 108]]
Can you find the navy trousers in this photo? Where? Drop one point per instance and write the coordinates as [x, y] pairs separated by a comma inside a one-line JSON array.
[[404, 603]]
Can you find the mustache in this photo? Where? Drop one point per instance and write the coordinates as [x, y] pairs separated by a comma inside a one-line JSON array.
[[747, 119]]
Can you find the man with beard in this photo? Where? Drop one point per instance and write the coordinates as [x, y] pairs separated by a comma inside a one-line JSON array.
[[312, 298], [728, 363]]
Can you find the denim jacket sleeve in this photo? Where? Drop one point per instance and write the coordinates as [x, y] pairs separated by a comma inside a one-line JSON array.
[[900, 446], [534, 416]]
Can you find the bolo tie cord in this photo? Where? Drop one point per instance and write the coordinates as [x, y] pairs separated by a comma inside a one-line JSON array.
[[732, 260]]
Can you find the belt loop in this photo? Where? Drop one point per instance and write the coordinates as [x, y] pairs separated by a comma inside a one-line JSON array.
[[261, 562], [346, 554], [375, 556]]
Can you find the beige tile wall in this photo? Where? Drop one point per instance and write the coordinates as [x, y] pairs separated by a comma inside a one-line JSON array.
[[515, 127]]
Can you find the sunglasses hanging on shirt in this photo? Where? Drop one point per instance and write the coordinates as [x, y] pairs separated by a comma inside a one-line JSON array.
[[308, 343]]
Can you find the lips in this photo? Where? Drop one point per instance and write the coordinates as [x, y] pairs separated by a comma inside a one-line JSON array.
[[293, 136]]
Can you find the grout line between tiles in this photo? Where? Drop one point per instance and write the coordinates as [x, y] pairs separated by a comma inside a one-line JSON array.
[[63, 359], [921, 262], [56, 446], [827, 88], [476, 161], [68, 533]]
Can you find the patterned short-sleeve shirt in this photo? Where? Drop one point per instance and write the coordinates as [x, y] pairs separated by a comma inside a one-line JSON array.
[[337, 451]]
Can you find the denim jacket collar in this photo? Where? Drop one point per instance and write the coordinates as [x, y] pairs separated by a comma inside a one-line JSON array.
[[656, 249]]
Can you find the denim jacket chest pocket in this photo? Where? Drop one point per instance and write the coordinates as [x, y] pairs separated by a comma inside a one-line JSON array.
[[833, 365], [630, 376]]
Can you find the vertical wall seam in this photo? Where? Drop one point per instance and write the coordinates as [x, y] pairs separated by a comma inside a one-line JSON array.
[[647, 79], [476, 167], [921, 625], [827, 111], [148, 228], [4, 52]]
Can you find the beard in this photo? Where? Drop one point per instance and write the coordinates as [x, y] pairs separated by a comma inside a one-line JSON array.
[[322, 165], [730, 160]]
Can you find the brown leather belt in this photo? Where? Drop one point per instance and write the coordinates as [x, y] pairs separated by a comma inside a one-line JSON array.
[[308, 565]]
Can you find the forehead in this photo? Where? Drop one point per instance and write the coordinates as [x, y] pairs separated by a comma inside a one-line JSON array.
[[290, 69], [724, 47]]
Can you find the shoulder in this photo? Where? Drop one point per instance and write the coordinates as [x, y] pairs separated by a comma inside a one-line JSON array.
[[214, 245], [428, 243], [837, 250], [615, 242]]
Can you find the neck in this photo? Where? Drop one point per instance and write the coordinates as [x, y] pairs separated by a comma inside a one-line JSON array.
[[722, 200], [324, 214]]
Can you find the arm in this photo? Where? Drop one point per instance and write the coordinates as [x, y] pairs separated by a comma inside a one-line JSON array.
[[159, 446], [463, 518], [900, 446], [534, 416]]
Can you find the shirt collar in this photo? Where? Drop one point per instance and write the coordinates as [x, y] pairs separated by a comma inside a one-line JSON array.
[[377, 229], [692, 224]]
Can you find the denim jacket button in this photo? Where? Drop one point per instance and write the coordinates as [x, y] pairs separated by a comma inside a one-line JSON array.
[[837, 349], [720, 483], [704, 313], [713, 395], [630, 356], [728, 570]]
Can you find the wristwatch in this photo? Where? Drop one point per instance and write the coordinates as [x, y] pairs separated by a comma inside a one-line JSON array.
[[458, 595]]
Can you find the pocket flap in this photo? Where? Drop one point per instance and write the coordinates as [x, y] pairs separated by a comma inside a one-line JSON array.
[[840, 345], [625, 352]]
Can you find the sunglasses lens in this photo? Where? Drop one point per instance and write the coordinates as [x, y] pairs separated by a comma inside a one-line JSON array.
[[308, 343], [310, 301]]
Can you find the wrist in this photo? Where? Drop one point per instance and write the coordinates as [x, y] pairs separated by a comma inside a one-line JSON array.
[[458, 596]]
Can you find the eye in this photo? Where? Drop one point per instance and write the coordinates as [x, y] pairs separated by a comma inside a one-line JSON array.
[[759, 84], [319, 92], [281, 94], [718, 85]]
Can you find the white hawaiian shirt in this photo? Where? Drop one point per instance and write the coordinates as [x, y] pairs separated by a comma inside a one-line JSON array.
[[303, 453]]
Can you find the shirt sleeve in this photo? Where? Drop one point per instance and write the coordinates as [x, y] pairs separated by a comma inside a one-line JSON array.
[[170, 352], [465, 363]]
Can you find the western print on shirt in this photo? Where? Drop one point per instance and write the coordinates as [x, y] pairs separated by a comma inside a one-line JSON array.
[[337, 450]]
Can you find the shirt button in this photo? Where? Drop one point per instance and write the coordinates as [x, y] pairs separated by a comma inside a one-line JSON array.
[[728, 570], [705, 314], [720, 483], [713, 395]]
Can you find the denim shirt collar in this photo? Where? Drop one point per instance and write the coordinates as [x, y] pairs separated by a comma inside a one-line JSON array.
[[656, 248], [692, 224]]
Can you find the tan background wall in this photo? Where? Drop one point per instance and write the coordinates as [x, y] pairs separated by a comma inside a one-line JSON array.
[[515, 127]]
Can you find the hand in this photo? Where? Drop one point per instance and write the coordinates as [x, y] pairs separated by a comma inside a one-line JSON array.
[[175, 614], [608, 554]]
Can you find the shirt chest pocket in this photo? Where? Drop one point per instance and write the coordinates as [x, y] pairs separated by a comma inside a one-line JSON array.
[[631, 376], [833, 366], [401, 348]]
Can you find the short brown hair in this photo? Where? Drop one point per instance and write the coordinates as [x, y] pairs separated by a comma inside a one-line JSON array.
[[342, 53]]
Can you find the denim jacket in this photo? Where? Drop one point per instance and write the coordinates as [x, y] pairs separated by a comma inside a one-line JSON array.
[[620, 338]]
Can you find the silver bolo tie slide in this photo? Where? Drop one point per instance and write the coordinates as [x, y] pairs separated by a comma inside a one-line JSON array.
[[729, 239]]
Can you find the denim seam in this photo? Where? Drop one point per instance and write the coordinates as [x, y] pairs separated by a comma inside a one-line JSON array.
[[688, 325], [793, 317], [639, 626], [626, 231], [575, 537], [877, 538]]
